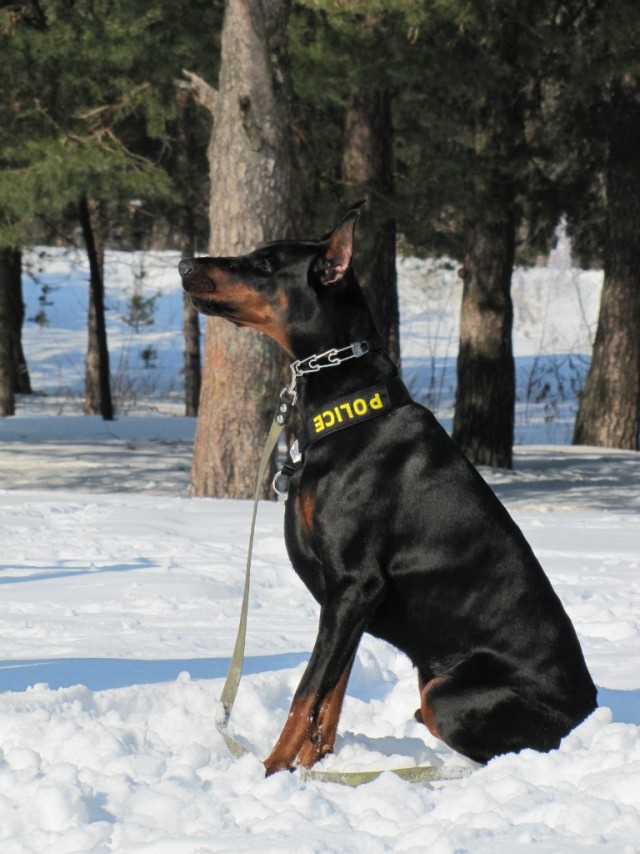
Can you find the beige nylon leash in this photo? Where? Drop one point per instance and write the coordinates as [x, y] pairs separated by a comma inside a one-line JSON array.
[[230, 688], [425, 773]]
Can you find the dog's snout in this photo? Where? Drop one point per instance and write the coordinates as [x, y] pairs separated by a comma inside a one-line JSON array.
[[186, 267]]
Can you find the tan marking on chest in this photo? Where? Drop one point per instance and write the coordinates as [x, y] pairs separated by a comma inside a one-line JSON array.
[[306, 509]]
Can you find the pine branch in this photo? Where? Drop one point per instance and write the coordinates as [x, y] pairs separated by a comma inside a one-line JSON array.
[[111, 112], [56, 125], [104, 137]]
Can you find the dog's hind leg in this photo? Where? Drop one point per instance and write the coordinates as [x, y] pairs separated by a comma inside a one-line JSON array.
[[425, 714], [482, 716]]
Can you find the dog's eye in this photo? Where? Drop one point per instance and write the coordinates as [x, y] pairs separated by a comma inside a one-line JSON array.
[[263, 265]]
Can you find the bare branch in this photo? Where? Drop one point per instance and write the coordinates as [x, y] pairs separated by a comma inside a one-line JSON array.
[[204, 94]]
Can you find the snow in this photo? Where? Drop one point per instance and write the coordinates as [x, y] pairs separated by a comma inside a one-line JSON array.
[[120, 599]]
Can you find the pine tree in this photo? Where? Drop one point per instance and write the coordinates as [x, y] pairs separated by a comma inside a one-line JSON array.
[[14, 376], [11, 260], [250, 172], [75, 130], [98, 399], [367, 171], [188, 170], [495, 58], [343, 75], [7, 387], [463, 77], [604, 59]]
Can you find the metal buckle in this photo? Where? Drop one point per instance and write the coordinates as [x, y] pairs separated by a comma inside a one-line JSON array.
[[360, 348]]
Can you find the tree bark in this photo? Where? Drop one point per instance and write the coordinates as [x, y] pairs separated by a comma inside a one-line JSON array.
[[191, 334], [192, 360], [7, 385], [250, 167], [367, 171], [609, 411], [97, 380], [485, 391], [11, 259]]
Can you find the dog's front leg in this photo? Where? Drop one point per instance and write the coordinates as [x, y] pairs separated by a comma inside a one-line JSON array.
[[312, 709], [313, 718], [323, 735]]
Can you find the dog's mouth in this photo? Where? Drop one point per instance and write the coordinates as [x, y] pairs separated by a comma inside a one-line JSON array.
[[204, 291], [213, 308]]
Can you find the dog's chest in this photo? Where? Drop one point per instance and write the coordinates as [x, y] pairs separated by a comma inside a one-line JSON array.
[[300, 539]]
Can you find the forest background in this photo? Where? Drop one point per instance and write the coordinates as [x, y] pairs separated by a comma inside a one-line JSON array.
[[471, 128]]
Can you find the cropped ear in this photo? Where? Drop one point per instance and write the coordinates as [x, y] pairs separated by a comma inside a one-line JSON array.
[[337, 256]]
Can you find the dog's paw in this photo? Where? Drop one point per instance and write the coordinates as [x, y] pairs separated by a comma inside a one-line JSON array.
[[312, 751], [274, 764]]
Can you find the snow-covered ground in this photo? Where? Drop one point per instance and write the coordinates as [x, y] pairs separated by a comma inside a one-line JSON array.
[[120, 597]]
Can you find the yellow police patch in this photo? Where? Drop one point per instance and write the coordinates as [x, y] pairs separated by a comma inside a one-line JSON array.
[[349, 410]]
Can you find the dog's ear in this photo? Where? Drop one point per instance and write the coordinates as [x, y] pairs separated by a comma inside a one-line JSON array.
[[339, 247]]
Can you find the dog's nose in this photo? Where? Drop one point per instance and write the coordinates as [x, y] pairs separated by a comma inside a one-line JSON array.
[[186, 267]]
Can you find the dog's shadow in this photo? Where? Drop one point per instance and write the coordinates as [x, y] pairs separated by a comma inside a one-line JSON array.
[[389, 746]]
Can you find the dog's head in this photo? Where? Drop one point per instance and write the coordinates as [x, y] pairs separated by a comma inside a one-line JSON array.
[[280, 285]]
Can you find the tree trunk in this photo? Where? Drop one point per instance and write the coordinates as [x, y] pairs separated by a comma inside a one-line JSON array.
[[97, 381], [191, 332], [250, 166], [609, 412], [192, 361], [485, 392], [190, 317], [367, 171], [11, 259], [7, 385]]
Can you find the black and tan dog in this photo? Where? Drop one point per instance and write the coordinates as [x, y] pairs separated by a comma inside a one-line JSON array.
[[392, 530]]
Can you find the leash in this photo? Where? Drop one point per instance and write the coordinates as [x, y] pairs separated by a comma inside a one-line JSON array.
[[230, 689], [286, 402]]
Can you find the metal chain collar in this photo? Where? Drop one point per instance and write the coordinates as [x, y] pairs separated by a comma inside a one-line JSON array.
[[329, 359]]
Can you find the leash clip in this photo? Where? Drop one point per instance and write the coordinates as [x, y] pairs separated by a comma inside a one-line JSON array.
[[280, 484], [286, 402]]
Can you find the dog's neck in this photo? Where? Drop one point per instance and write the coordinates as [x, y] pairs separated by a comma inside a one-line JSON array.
[[345, 320]]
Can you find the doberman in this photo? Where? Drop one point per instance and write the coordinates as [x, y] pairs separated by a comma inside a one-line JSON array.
[[392, 529]]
